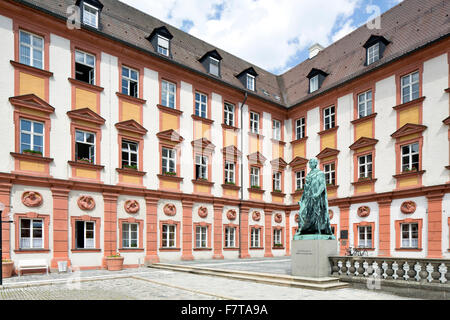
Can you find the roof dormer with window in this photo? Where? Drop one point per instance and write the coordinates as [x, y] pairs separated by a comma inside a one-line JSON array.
[[316, 78], [211, 62], [160, 39], [248, 78], [375, 47], [90, 12]]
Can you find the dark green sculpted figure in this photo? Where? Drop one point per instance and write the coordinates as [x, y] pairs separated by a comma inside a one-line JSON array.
[[314, 220]]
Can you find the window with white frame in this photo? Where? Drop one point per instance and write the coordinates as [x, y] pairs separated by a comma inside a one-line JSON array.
[[276, 181], [330, 173], [373, 53], [410, 235], [254, 177], [300, 179], [201, 105], [230, 237], [163, 45], [130, 235], [168, 160], [329, 118], [31, 49], [250, 82], [276, 127], [314, 84], [300, 128], [201, 236], [90, 15], [130, 81], [85, 234], [84, 67], [365, 104], [230, 172], [129, 154], [31, 136], [214, 66], [85, 146], [31, 234], [410, 87], [365, 236], [168, 92], [254, 237], [254, 122], [168, 239], [201, 167], [228, 114], [365, 166], [410, 157], [277, 237]]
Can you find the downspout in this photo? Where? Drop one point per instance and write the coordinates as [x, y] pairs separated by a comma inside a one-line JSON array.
[[242, 173]]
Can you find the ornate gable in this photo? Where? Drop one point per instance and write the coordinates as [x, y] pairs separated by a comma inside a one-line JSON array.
[[256, 158], [279, 163], [327, 152], [86, 114], [31, 101], [170, 136], [298, 161], [131, 126], [408, 129], [203, 144], [363, 142]]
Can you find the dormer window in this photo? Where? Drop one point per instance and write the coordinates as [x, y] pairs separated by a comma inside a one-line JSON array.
[[373, 53], [248, 78], [316, 78], [160, 39], [90, 15], [214, 66], [250, 82], [163, 45], [314, 83], [375, 47], [211, 62]]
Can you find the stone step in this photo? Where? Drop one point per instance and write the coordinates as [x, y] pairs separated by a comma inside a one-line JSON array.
[[327, 283]]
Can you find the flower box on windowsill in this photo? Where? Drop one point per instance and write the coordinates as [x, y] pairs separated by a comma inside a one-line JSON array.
[[173, 174], [130, 167], [409, 173], [85, 160], [256, 189], [202, 181], [7, 268], [230, 186], [33, 153]]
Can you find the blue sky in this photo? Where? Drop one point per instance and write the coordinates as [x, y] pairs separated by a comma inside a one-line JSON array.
[[273, 34]]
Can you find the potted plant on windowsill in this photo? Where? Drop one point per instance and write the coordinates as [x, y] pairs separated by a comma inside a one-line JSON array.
[[364, 178], [132, 167], [413, 169], [277, 190], [114, 262], [256, 187], [278, 245], [33, 152], [7, 268], [167, 173], [86, 160]]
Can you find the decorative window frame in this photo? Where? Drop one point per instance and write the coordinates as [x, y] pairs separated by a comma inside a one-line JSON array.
[[356, 233], [322, 117], [177, 235], [206, 92], [236, 237], [398, 155], [140, 223], [298, 164], [261, 237], [398, 238], [283, 242], [411, 68], [97, 234], [208, 236], [295, 128], [260, 123], [45, 232]]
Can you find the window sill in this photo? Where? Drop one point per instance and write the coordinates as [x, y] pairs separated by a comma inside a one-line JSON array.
[[256, 135], [278, 194], [278, 248], [169, 110], [256, 248], [25, 251], [408, 249], [131, 249], [332, 187], [131, 172], [230, 186], [278, 142], [170, 178], [254, 190], [228, 127], [231, 249], [409, 174], [202, 182], [36, 71], [85, 85], [202, 249], [204, 120], [169, 249], [364, 181], [81, 164], [368, 249], [408, 104], [359, 120], [37, 158], [85, 250], [328, 131], [299, 140], [131, 98]]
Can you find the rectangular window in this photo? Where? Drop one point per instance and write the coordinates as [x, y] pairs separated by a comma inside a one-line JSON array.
[[90, 15], [365, 166], [201, 237], [277, 237], [85, 146], [365, 237], [250, 82], [31, 234], [329, 118], [276, 181], [300, 179], [130, 81], [330, 174], [254, 177], [365, 104], [163, 45], [254, 122], [229, 172], [230, 237], [201, 167], [85, 234], [276, 127], [228, 114], [373, 53], [254, 238], [410, 157], [168, 91], [314, 84], [300, 128], [168, 160], [130, 235], [84, 67], [129, 154], [31, 136], [410, 87], [214, 66], [31, 50], [410, 235], [168, 236], [201, 105]]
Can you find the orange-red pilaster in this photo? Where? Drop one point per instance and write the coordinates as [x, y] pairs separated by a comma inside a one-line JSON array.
[[5, 196], [435, 225], [288, 234], [110, 225], [187, 230], [218, 227], [344, 222], [151, 255], [60, 226], [268, 233], [384, 215], [243, 228]]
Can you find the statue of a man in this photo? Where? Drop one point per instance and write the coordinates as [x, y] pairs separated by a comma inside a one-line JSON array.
[[314, 222]]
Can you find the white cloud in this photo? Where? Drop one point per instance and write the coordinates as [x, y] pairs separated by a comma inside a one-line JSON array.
[[267, 33]]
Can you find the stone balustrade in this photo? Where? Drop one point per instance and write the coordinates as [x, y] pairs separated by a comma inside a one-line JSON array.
[[392, 268]]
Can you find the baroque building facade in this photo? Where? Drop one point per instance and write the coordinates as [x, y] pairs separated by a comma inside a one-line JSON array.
[[128, 135]]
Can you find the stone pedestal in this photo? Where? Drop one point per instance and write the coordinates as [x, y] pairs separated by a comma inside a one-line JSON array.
[[309, 258]]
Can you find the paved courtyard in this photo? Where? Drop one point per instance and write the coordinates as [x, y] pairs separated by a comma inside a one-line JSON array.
[[155, 284]]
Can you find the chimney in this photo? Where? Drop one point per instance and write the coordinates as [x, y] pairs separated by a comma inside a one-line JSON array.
[[314, 50]]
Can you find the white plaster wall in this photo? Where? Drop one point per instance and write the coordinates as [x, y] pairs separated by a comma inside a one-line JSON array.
[[420, 213], [186, 131], [345, 139], [169, 255], [313, 126], [267, 152], [258, 252], [385, 125], [216, 139], [60, 137], [230, 254], [435, 109], [245, 127], [373, 217], [288, 158], [198, 255], [446, 226], [6, 91]]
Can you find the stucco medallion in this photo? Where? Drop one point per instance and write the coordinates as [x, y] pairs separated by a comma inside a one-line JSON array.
[[203, 212], [231, 214], [408, 207], [363, 211], [330, 213], [278, 217], [170, 210], [86, 203], [256, 215], [32, 199], [131, 206]]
